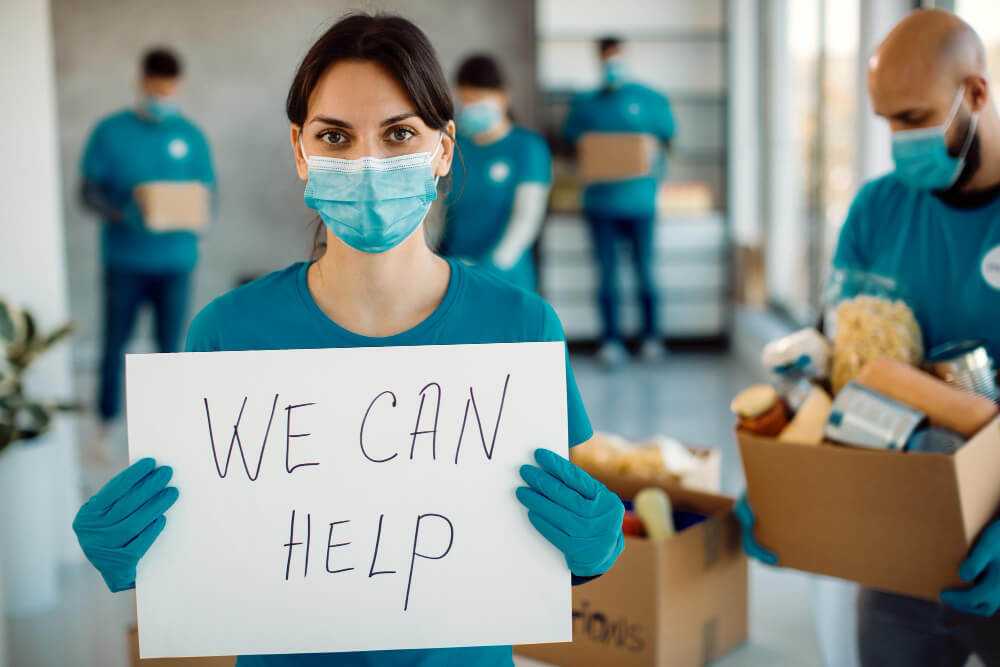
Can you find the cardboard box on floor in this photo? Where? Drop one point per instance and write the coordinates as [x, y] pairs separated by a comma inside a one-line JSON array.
[[606, 157], [679, 602], [895, 521], [133, 646], [173, 205]]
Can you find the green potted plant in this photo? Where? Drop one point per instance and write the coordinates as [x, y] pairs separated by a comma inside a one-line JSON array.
[[28, 514]]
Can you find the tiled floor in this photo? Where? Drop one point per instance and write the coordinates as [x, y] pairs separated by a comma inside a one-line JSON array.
[[685, 396]]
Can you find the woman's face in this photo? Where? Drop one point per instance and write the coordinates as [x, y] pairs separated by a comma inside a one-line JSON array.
[[472, 94], [357, 109]]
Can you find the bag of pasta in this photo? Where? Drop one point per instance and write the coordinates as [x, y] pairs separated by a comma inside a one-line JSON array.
[[868, 317]]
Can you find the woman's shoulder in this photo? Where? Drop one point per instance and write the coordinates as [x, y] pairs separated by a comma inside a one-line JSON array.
[[493, 299], [256, 301]]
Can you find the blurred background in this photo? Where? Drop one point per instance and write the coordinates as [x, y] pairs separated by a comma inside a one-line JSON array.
[[774, 135]]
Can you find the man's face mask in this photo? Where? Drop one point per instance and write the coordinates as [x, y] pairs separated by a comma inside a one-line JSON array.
[[922, 158]]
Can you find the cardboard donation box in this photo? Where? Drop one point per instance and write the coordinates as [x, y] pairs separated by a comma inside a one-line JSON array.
[[135, 661], [896, 521], [682, 601], [173, 205], [605, 157]]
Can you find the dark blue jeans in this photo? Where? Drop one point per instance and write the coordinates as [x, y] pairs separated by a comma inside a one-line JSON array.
[[124, 294], [606, 232]]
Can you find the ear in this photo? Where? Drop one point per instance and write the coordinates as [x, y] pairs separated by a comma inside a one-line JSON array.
[[447, 151], [978, 92], [301, 165]]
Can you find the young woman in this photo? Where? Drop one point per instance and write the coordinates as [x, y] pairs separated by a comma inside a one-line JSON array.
[[372, 133], [501, 189]]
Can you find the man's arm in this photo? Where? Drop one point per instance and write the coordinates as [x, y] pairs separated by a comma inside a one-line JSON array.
[[93, 197]]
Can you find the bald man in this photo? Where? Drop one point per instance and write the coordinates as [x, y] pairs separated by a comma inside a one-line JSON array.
[[932, 226]]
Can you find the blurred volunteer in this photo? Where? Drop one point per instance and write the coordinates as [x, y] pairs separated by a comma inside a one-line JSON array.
[[501, 185], [370, 93], [133, 147], [623, 208], [932, 225]]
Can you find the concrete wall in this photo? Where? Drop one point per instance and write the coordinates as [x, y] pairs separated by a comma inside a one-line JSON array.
[[240, 57]]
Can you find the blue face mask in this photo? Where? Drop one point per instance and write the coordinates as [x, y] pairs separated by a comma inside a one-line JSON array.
[[921, 155], [160, 108], [478, 117], [615, 71], [372, 204]]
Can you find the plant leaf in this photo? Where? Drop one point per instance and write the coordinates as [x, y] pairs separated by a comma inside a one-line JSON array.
[[8, 330], [55, 336]]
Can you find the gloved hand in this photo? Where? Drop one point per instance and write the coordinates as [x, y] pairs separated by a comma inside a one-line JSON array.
[[119, 523], [745, 516], [982, 567], [573, 511]]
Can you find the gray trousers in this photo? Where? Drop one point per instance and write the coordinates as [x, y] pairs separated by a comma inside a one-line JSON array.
[[898, 631]]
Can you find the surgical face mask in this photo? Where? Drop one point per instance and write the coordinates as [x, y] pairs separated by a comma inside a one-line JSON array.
[[372, 204], [160, 108], [615, 71], [921, 155], [479, 117]]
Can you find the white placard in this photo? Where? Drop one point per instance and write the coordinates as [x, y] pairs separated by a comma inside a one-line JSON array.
[[329, 435]]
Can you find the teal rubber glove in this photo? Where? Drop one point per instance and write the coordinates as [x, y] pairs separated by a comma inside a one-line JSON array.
[[750, 545], [573, 511], [983, 568], [120, 522]]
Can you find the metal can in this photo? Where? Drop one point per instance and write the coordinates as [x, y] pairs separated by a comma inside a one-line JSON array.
[[864, 418], [966, 364]]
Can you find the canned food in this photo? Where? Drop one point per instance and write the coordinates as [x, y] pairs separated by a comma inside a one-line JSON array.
[[864, 418], [966, 365]]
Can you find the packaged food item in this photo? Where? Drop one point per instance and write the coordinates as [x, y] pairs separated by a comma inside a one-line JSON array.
[[867, 318], [760, 410], [943, 404], [934, 440], [651, 459], [632, 524], [652, 506], [806, 428], [965, 364], [862, 417], [803, 353]]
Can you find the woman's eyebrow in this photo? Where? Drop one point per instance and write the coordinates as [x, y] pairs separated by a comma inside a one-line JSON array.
[[326, 120], [397, 118]]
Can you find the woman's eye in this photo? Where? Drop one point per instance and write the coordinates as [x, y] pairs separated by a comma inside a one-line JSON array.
[[333, 137], [401, 134]]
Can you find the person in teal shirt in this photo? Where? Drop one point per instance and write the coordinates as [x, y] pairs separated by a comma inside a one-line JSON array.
[[372, 133], [932, 227], [500, 191], [151, 142], [626, 208]]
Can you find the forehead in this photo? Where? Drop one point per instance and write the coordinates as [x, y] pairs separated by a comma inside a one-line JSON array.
[[899, 86], [358, 87]]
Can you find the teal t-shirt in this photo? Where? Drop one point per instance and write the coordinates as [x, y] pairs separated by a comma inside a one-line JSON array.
[[630, 107], [946, 260], [125, 150], [278, 312], [482, 197]]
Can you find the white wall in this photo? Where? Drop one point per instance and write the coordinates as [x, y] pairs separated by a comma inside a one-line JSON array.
[[32, 246]]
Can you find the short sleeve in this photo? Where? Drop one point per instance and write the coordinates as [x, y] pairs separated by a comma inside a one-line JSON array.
[[206, 174], [664, 121], [203, 334], [537, 161], [95, 165], [580, 429], [575, 124], [851, 252]]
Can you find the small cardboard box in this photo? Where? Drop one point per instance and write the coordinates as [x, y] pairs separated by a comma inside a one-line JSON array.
[[896, 521], [679, 602], [133, 646], [173, 205], [606, 157]]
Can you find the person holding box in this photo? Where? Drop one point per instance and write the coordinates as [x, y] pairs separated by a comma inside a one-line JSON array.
[[932, 226], [371, 132], [147, 172], [500, 192], [621, 125]]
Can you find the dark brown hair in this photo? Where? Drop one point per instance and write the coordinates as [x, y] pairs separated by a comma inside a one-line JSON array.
[[481, 71], [390, 41]]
